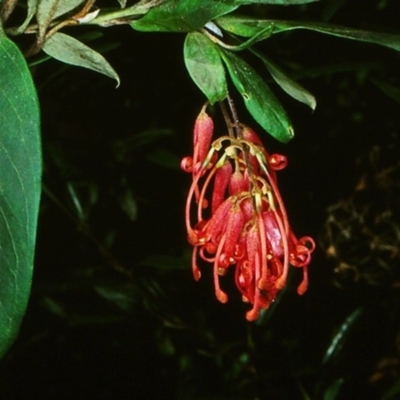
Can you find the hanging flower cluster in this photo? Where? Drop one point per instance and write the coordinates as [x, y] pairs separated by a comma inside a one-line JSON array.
[[241, 221]]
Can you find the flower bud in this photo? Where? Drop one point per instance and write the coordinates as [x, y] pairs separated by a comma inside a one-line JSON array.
[[202, 135]]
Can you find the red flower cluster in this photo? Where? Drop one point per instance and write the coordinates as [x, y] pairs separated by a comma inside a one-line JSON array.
[[234, 183]]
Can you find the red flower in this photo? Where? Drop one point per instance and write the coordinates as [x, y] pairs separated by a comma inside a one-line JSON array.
[[244, 225]]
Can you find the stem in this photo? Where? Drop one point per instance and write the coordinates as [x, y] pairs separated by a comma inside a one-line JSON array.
[[231, 124], [235, 117], [84, 227], [218, 41], [7, 8], [122, 16], [227, 119], [114, 17]]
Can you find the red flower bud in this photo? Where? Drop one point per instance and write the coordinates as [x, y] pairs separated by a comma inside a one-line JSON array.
[[238, 183], [202, 135], [234, 227], [274, 235], [221, 180], [277, 162], [187, 164], [251, 136]]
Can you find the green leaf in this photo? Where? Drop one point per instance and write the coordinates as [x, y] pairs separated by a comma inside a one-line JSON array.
[[31, 9], [71, 51], [258, 98], [121, 296], [333, 390], [65, 6], [243, 26], [383, 39], [122, 3], [249, 27], [45, 12], [182, 15], [20, 187], [204, 64], [277, 2], [291, 87], [341, 336], [48, 10]]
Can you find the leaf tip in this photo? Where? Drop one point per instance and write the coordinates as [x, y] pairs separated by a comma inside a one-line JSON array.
[[313, 104]]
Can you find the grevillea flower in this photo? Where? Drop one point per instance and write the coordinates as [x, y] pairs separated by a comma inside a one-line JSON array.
[[235, 216]]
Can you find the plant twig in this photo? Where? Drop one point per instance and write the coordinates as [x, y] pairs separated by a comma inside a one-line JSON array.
[[7, 7]]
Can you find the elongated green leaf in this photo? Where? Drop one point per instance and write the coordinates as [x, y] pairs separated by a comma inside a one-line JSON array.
[[64, 6], [333, 390], [258, 98], [249, 27], [122, 3], [31, 9], [291, 87], [71, 51], [182, 15], [45, 12], [246, 27], [20, 187], [383, 39], [205, 67], [48, 10], [121, 296], [342, 335], [277, 2]]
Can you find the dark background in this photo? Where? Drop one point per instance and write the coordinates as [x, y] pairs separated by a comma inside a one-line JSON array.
[[114, 311]]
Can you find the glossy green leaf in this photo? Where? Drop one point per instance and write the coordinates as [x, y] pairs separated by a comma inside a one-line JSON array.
[[20, 187], [67, 49], [291, 87], [276, 2], [249, 27], [182, 15], [258, 98], [204, 64], [246, 27], [383, 39]]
